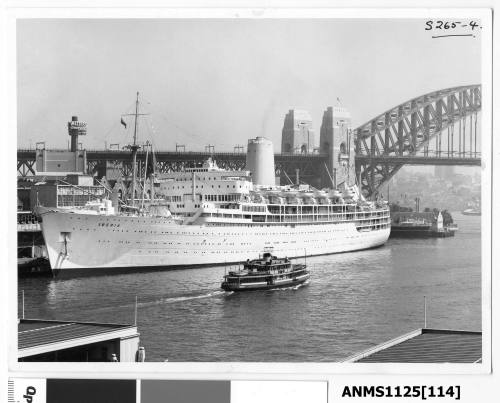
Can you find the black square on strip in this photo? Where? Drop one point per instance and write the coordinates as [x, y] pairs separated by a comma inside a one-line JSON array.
[[91, 390]]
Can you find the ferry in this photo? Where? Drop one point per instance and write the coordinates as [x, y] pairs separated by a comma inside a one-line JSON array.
[[266, 273]]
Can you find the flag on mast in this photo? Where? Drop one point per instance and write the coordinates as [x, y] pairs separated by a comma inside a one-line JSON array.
[[123, 123]]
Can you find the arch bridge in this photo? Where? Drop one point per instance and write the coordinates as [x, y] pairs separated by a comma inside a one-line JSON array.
[[438, 128]]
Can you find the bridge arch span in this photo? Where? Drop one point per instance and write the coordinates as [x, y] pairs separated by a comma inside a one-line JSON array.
[[405, 134]]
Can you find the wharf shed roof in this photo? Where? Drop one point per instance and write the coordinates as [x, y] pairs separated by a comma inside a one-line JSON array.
[[426, 346], [36, 335]]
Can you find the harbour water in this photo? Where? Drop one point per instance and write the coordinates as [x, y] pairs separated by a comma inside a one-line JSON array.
[[353, 301]]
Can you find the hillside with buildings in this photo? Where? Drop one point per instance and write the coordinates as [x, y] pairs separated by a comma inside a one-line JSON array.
[[445, 189]]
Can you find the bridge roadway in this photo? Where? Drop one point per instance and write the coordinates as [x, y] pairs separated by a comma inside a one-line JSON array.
[[311, 166], [184, 156], [198, 156], [125, 155], [419, 160]]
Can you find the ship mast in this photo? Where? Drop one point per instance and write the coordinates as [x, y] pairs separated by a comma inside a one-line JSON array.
[[134, 148]]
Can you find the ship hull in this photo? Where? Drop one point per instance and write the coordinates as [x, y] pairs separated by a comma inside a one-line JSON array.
[[82, 241]]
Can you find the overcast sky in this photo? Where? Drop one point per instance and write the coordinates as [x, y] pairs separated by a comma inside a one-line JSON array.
[[223, 81]]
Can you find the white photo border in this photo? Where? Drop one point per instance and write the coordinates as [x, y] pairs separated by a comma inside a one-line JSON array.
[[235, 370]]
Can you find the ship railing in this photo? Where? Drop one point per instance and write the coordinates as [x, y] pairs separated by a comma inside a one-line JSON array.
[[23, 227], [276, 215], [26, 217], [298, 218]]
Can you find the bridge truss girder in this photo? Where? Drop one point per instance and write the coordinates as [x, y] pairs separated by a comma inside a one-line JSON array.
[[25, 167], [373, 172], [407, 129], [309, 166]]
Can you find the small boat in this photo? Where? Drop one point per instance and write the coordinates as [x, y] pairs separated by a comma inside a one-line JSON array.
[[471, 211], [265, 273]]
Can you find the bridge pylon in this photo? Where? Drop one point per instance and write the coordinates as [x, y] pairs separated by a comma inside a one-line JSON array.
[[337, 143]]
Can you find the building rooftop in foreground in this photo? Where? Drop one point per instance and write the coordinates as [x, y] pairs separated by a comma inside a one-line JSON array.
[[426, 346], [37, 336]]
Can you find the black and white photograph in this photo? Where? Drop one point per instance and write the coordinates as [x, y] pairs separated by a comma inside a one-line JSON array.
[[254, 190]]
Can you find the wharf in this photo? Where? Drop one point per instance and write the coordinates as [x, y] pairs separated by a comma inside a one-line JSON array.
[[31, 251], [416, 232], [409, 224], [70, 341], [426, 346], [33, 266]]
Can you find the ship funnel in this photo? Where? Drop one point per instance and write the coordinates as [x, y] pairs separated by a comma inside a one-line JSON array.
[[260, 161]]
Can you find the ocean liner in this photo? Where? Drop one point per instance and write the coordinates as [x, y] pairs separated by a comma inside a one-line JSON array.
[[208, 215]]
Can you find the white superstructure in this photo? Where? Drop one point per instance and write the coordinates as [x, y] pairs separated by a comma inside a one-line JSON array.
[[209, 215]]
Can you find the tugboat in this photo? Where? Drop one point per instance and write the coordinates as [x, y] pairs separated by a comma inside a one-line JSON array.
[[265, 273]]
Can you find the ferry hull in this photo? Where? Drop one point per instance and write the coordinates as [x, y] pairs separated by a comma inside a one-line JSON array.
[[256, 287], [82, 241]]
